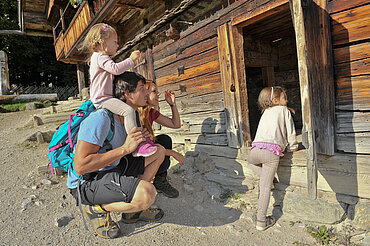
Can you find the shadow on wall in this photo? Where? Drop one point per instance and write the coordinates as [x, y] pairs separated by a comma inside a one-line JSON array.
[[340, 171], [212, 144]]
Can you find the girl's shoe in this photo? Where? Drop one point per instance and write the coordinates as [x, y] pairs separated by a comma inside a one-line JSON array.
[[264, 225], [145, 149]]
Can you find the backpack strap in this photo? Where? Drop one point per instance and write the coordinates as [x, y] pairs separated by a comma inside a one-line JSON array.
[[111, 132]]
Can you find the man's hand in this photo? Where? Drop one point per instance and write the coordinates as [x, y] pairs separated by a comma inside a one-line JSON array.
[[134, 138]]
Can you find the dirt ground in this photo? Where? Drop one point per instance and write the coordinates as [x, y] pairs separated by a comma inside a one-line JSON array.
[[35, 212]]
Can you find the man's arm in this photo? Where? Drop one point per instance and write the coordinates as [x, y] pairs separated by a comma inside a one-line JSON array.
[[88, 160]]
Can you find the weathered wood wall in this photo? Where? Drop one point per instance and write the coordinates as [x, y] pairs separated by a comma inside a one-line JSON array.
[[190, 66], [350, 36]]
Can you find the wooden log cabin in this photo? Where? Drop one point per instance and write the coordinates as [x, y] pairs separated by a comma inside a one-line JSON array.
[[217, 55]]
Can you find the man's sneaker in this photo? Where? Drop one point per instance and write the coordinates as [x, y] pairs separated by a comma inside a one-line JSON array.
[[162, 185], [101, 221], [145, 149], [150, 214]]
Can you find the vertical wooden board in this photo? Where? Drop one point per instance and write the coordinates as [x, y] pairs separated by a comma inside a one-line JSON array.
[[150, 64], [320, 74], [80, 77], [228, 82], [304, 80], [240, 85]]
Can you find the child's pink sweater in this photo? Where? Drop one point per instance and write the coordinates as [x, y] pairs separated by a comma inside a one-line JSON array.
[[102, 71]]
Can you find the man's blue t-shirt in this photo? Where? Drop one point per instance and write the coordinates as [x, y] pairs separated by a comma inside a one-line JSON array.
[[94, 129]]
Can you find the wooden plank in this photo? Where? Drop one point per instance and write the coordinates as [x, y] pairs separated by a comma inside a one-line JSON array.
[[241, 94], [210, 139], [225, 42], [150, 64], [195, 61], [335, 6], [260, 13], [351, 25], [354, 68], [191, 72], [170, 55], [304, 79], [351, 53], [357, 143], [349, 122], [206, 28], [268, 76], [80, 77], [342, 173], [353, 93], [194, 87]]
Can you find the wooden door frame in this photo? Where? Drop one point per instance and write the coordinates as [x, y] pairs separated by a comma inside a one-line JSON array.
[[310, 75]]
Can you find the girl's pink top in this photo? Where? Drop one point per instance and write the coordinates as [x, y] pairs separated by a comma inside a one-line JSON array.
[[153, 115], [102, 71], [274, 148]]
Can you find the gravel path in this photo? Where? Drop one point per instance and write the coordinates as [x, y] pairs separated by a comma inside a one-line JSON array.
[[35, 212]]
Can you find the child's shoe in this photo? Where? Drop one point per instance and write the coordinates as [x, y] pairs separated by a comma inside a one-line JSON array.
[[264, 225], [145, 149]]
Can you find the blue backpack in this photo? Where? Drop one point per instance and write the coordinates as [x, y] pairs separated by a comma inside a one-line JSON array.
[[61, 145]]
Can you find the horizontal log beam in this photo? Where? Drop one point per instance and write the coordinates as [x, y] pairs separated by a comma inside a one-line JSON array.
[[6, 99]]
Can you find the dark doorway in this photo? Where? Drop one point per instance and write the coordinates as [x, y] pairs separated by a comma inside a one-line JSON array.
[[271, 60]]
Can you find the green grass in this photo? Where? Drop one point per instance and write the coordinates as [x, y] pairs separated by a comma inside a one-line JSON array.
[[22, 106], [322, 234]]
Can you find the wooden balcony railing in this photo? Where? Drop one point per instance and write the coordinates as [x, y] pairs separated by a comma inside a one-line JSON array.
[[79, 23], [66, 41], [59, 46]]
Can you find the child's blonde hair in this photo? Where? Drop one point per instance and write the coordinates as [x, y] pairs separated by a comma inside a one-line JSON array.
[[93, 41], [144, 112], [267, 96]]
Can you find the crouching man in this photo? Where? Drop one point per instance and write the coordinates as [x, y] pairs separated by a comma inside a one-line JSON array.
[[108, 184]]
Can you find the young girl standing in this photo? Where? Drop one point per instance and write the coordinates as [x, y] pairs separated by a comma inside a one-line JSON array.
[[275, 133], [101, 41]]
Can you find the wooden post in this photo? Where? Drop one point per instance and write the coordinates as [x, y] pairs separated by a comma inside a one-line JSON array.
[[150, 64], [304, 80], [230, 39], [80, 77], [62, 19], [268, 76], [4, 74]]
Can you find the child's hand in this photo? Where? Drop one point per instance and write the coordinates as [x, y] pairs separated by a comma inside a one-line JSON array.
[[291, 110], [146, 133], [179, 157], [135, 55], [169, 96], [134, 138]]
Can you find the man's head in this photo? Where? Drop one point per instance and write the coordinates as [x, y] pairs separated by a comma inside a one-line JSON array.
[[129, 87]]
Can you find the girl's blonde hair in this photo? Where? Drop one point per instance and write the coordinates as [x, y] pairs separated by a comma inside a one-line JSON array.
[[93, 41], [267, 95], [144, 113]]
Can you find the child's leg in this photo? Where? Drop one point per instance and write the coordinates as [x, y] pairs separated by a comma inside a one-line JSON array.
[[116, 106], [270, 163], [254, 162]]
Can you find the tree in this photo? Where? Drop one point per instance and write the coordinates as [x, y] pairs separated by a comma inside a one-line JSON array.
[[31, 60]]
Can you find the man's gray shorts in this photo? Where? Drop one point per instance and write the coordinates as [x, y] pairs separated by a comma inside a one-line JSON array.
[[107, 188]]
